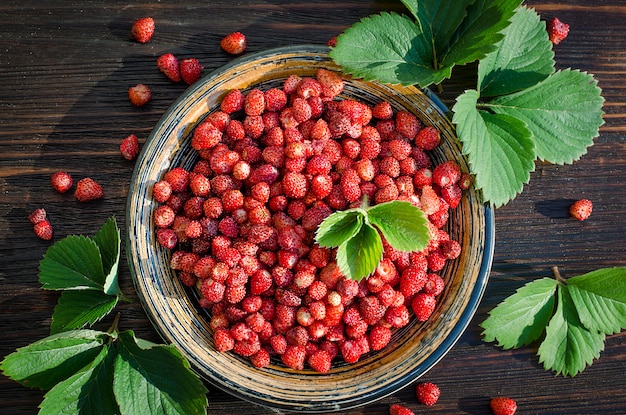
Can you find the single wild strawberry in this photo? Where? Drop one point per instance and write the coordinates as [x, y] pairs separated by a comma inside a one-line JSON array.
[[142, 29]]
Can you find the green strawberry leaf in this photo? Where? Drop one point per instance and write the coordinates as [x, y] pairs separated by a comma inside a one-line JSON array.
[[600, 299], [359, 256], [522, 59], [46, 362], [522, 317], [386, 47], [108, 241], [75, 309], [403, 225], [396, 49], [499, 148], [563, 112], [568, 346], [151, 379], [88, 391], [479, 31], [73, 263], [339, 227]]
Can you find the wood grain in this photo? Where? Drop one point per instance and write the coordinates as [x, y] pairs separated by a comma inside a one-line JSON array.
[[64, 71]]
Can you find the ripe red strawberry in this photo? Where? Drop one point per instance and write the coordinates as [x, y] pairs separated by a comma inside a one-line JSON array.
[[350, 185], [320, 361], [169, 65], [407, 124], [223, 340], [295, 185], [129, 147], [190, 70], [43, 230], [294, 357], [557, 31], [88, 189], [379, 337], [447, 174], [427, 138], [382, 111], [427, 393], [234, 43], [61, 181], [331, 82], [142, 29], [178, 178], [423, 305], [581, 209], [139, 95], [397, 409], [503, 406], [37, 215]]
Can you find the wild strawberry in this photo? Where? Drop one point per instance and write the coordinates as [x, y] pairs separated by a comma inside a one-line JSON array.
[[254, 126], [206, 136], [295, 185], [397, 315], [37, 215], [190, 70], [390, 166], [581, 209], [43, 230], [234, 43], [167, 238], [275, 99], [232, 101], [397, 409], [219, 119], [427, 138], [429, 200], [379, 337], [427, 393], [503, 406], [451, 249], [331, 82], [223, 340], [163, 216], [169, 65], [358, 112], [129, 147], [308, 87], [61, 181], [254, 102], [142, 29], [382, 111], [407, 124], [446, 174], [88, 189], [261, 358], [294, 357], [320, 361], [434, 284], [436, 260], [423, 306], [386, 194], [452, 195], [557, 31], [300, 109], [350, 181], [139, 95]]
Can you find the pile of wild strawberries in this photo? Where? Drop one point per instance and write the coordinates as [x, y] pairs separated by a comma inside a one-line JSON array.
[[241, 223]]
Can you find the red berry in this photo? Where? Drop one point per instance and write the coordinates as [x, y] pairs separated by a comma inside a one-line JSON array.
[[129, 147], [581, 209], [427, 393], [234, 43], [379, 337], [178, 178], [169, 65], [331, 82], [294, 357], [61, 181], [43, 230], [320, 361], [37, 215], [139, 95], [397, 409], [557, 31], [447, 174], [428, 138], [407, 124], [423, 305], [142, 29], [190, 70], [232, 101], [88, 189], [503, 406]]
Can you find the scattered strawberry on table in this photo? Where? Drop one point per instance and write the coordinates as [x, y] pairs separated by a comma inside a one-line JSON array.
[[142, 29], [503, 406], [41, 225], [557, 31], [581, 209], [234, 43], [427, 393], [129, 147], [61, 181], [170, 66], [190, 70], [139, 95], [88, 189]]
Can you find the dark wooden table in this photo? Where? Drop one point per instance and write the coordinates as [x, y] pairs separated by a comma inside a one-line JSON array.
[[64, 71]]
